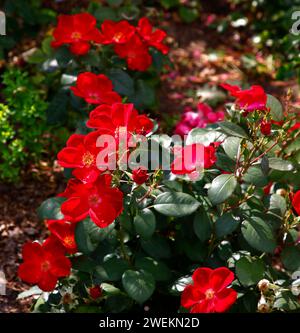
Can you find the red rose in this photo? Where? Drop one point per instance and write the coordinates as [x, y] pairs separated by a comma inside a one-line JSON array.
[[209, 292], [296, 202], [136, 54], [265, 128], [81, 154], [95, 89], [116, 32], [152, 38], [64, 231], [98, 200], [77, 31], [107, 119], [95, 292], [140, 176], [250, 99], [189, 159], [44, 264]]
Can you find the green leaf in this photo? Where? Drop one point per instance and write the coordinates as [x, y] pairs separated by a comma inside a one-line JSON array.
[[249, 270], [118, 303], [276, 108], [188, 15], [57, 111], [63, 56], [255, 176], [35, 290], [167, 4], [232, 146], [88, 235], [204, 136], [202, 225], [286, 301], [290, 257], [279, 164], [195, 250], [37, 57], [259, 234], [50, 209], [105, 13], [157, 247], [232, 129], [145, 223], [83, 264], [144, 96], [115, 3], [157, 268], [112, 269], [139, 285], [226, 224], [222, 188], [176, 204], [277, 204], [122, 82], [180, 284]]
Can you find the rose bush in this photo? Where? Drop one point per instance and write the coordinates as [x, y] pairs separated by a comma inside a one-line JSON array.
[[216, 234]]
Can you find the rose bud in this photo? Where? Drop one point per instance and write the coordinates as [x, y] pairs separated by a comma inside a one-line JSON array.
[[263, 306], [263, 285], [95, 292], [265, 128], [140, 176]]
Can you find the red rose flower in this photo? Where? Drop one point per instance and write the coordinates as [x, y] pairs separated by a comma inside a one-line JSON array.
[[152, 38], [140, 176], [81, 154], [44, 264], [108, 119], [296, 202], [95, 292], [116, 32], [77, 31], [190, 159], [95, 89], [98, 200], [64, 231], [136, 54], [265, 128], [250, 99], [209, 292]]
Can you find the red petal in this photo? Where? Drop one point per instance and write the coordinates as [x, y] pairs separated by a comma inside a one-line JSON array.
[[75, 208], [220, 278], [30, 272], [201, 278], [225, 299], [47, 281]]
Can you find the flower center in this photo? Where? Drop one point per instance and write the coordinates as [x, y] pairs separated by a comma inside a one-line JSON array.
[[76, 35], [88, 159], [118, 36], [45, 266], [94, 200], [209, 294], [68, 240], [94, 95]]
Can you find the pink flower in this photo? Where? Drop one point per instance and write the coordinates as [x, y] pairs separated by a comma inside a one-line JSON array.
[[200, 119]]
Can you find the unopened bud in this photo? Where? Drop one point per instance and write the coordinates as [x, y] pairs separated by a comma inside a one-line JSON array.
[[263, 285], [281, 192], [263, 306]]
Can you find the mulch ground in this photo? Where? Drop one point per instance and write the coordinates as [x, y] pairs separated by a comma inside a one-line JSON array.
[[201, 58]]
